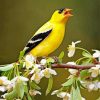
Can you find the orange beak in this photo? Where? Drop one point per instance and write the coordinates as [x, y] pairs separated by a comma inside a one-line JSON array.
[[68, 12]]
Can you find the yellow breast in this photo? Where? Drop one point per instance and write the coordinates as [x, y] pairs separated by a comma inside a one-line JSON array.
[[51, 43]]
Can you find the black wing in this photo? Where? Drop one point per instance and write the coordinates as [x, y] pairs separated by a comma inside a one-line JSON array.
[[35, 40]]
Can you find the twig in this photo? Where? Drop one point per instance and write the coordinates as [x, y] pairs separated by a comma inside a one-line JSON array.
[[79, 67]]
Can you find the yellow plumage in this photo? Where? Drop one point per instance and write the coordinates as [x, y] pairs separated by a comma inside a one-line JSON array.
[[52, 42], [54, 39]]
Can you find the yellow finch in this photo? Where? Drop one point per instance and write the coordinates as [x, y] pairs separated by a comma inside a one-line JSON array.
[[50, 35]]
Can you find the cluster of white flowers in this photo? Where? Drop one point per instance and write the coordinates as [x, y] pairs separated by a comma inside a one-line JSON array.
[[95, 85], [30, 62], [95, 71], [4, 83], [63, 95], [7, 85], [39, 70], [36, 72]]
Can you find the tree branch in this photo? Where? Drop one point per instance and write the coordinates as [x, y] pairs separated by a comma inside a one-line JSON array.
[[79, 67]]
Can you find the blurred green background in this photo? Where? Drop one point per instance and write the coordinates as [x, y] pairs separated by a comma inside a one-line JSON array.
[[19, 19]]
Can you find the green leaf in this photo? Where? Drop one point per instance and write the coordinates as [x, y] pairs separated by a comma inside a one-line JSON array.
[[50, 60], [11, 95], [61, 55], [78, 93], [21, 64], [80, 84], [75, 93], [85, 54], [87, 61], [50, 83], [19, 87], [6, 67], [21, 54], [25, 89], [84, 74], [29, 97], [69, 82], [33, 85], [26, 92]]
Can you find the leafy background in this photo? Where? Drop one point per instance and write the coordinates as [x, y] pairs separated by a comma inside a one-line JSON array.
[[19, 19]]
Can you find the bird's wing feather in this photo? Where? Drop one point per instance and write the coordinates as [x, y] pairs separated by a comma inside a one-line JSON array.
[[47, 26], [37, 38]]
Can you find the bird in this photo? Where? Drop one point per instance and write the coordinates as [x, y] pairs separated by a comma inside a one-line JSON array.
[[49, 37]]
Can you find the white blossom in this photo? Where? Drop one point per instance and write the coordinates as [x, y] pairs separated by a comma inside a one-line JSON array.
[[29, 60], [34, 92], [63, 95], [10, 86], [43, 61], [95, 71], [17, 78], [71, 48], [83, 98], [36, 68], [37, 65], [55, 92], [98, 85], [37, 77], [3, 96], [71, 63], [72, 71], [24, 79], [4, 80], [92, 86], [3, 88], [96, 54], [48, 71]]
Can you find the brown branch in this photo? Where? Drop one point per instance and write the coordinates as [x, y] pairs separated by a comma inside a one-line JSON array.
[[79, 67]]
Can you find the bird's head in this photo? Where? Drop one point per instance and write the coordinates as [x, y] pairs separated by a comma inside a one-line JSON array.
[[61, 15]]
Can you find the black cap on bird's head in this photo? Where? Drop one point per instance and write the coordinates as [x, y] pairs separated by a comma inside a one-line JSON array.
[[66, 11], [61, 10], [61, 15]]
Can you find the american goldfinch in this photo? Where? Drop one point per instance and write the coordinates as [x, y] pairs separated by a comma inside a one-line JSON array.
[[50, 35]]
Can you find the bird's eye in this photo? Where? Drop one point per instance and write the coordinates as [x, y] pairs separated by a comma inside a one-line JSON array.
[[60, 10]]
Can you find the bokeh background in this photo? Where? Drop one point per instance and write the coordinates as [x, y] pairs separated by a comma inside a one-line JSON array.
[[19, 19]]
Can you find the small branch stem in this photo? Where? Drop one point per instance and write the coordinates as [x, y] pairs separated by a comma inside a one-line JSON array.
[[83, 50], [78, 67]]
